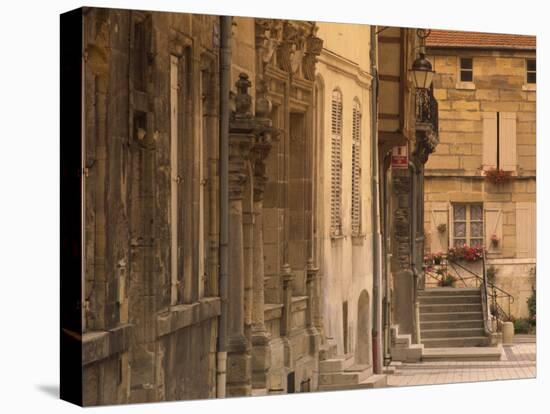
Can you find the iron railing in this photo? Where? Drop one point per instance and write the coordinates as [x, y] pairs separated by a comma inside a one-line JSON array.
[[427, 108], [492, 295]]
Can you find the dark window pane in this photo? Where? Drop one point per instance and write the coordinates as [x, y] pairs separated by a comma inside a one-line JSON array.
[[477, 243], [460, 242], [531, 77], [466, 63], [466, 76], [531, 65]]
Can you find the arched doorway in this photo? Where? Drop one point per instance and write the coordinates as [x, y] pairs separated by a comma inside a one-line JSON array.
[[363, 346]]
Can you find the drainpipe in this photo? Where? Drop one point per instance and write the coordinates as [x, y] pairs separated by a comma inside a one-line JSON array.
[[414, 227], [225, 87], [376, 236]]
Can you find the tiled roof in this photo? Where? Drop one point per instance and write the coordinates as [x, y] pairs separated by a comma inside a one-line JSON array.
[[455, 38]]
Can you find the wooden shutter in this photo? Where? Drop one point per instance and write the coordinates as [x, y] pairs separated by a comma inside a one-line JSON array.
[[336, 164], [489, 140], [493, 225], [526, 230], [507, 150], [439, 214], [356, 170]]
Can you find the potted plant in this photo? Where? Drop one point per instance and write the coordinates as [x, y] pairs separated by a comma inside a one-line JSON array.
[[494, 240], [447, 281], [498, 176], [442, 228]]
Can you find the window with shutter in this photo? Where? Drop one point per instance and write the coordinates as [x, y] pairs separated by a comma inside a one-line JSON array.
[[356, 169], [336, 164], [499, 141], [439, 218]]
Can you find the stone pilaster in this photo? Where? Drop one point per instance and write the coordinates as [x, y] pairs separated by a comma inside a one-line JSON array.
[[260, 338], [312, 304], [241, 135]]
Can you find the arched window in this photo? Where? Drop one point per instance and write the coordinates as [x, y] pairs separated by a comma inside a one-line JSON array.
[[356, 169], [336, 164]]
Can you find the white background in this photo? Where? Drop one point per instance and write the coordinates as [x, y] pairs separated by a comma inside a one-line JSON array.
[[29, 204]]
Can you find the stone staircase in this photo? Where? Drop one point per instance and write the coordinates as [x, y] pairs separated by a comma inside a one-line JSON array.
[[452, 317], [341, 373]]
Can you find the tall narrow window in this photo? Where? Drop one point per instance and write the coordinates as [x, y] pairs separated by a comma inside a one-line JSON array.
[[174, 177], [356, 169], [336, 164], [531, 69], [466, 70], [467, 224]]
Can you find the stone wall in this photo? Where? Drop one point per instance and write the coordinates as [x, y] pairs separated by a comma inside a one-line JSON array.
[[455, 172], [129, 279]]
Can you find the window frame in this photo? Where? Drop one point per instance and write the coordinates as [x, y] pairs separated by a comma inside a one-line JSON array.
[[336, 137], [468, 222], [465, 70], [356, 211], [528, 71]]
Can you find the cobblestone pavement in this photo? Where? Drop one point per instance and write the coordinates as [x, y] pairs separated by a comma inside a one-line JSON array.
[[517, 361]]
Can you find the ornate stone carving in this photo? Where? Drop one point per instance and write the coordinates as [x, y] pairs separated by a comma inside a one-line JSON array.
[[314, 46], [426, 142]]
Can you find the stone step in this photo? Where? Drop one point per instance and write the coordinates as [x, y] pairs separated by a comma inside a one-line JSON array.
[[462, 354], [336, 364], [344, 378], [446, 316], [449, 292], [446, 299], [373, 381], [451, 333], [450, 308], [455, 342], [451, 324]]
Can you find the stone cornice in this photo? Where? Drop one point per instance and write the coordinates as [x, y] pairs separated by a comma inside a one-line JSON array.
[[346, 67]]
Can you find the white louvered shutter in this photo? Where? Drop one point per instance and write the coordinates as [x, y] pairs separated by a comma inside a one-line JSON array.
[[507, 150], [356, 170], [336, 164], [489, 140]]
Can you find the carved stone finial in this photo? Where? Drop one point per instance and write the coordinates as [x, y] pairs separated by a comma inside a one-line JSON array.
[[243, 101], [314, 46]]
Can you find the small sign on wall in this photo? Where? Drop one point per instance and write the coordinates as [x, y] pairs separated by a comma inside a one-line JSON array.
[[400, 157]]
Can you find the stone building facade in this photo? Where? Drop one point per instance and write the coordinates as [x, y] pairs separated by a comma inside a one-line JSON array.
[[486, 88], [343, 199], [320, 254]]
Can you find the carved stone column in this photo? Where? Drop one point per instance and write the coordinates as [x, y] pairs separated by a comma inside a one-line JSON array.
[[286, 322], [261, 354], [312, 304], [241, 135]]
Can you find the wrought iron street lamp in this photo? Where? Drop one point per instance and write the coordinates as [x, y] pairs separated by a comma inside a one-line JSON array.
[[422, 68]]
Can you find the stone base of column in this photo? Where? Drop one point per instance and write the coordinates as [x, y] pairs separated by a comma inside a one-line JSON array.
[[261, 359], [314, 340], [239, 368]]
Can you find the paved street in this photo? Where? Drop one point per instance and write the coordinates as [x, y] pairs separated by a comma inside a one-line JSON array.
[[518, 361]]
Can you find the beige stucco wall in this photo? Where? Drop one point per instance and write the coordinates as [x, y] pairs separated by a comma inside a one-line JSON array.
[[346, 262]]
